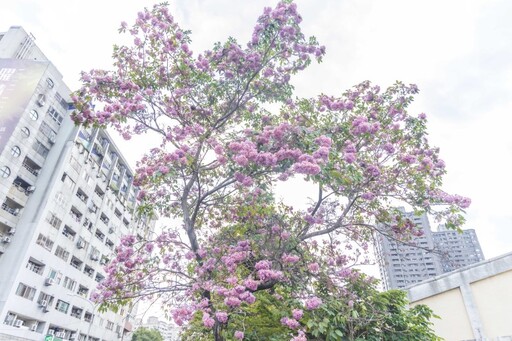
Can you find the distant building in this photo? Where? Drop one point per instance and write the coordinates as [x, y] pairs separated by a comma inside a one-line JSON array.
[[473, 302], [426, 256], [455, 249], [66, 196], [168, 331]]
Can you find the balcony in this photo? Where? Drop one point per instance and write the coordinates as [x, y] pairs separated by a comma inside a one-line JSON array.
[[9, 214], [30, 170]]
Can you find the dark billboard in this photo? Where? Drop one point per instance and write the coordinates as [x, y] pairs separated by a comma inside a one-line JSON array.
[[18, 81]]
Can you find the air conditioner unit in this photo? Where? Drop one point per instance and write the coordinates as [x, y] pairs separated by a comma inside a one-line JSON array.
[[43, 303], [6, 239], [95, 257], [60, 334], [51, 331], [52, 139], [45, 309], [111, 229], [16, 211], [103, 261], [80, 244], [34, 327], [18, 323], [12, 230], [49, 281], [36, 172], [30, 189]]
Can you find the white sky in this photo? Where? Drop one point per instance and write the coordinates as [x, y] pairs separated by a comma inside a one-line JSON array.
[[459, 52]]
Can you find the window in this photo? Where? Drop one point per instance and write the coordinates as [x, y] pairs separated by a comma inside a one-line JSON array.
[[62, 253], [50, 134], [87, 316], [68, 182], [54, 114], [45, 297], [62, 306], [5, 172], [15, 151], [35, 266], [68, 232], [69, 283], [82, 291], [55, 275], [40, 149], [25, 131], [75, 164], [76, 263], [33, 115], [53, 220], [76, 312], [110, 325], [89, 271], [60, 199], [45, 242], [26, 291]]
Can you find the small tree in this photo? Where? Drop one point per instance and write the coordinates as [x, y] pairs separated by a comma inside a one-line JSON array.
[[221, 155], [146, 334]]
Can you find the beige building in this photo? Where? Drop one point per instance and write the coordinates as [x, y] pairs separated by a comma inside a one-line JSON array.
[[474, 302]]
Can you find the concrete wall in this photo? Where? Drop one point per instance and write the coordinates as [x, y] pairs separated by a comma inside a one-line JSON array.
[[474, 303]]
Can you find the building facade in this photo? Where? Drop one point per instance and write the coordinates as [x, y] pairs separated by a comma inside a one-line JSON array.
[[426, 256], [67, 198]]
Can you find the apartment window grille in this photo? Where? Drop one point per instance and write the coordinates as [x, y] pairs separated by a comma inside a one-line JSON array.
[[62, 253], [69, 283], [45, 297], [53, 220], [33, 115], [25, 131], [15, 151], [45, 242], [5, 172], [25, 291]]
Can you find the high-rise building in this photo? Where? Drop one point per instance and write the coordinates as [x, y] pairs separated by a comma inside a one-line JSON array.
[[426, 256], [67, 198], [455, 249]]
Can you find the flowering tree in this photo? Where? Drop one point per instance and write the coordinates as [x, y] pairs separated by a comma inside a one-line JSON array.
[[221, 154]]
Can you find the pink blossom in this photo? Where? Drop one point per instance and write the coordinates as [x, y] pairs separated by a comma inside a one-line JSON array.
[[313, 303], [208, 322], [239, 335], [222, 316], [297, 314], [290, 323], [314, 267], [232, 302]]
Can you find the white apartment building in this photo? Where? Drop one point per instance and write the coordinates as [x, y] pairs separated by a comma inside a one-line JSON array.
[[426, 256], [66, 198]]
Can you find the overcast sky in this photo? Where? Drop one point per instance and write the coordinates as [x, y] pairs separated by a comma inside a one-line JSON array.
[[459, 53]]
